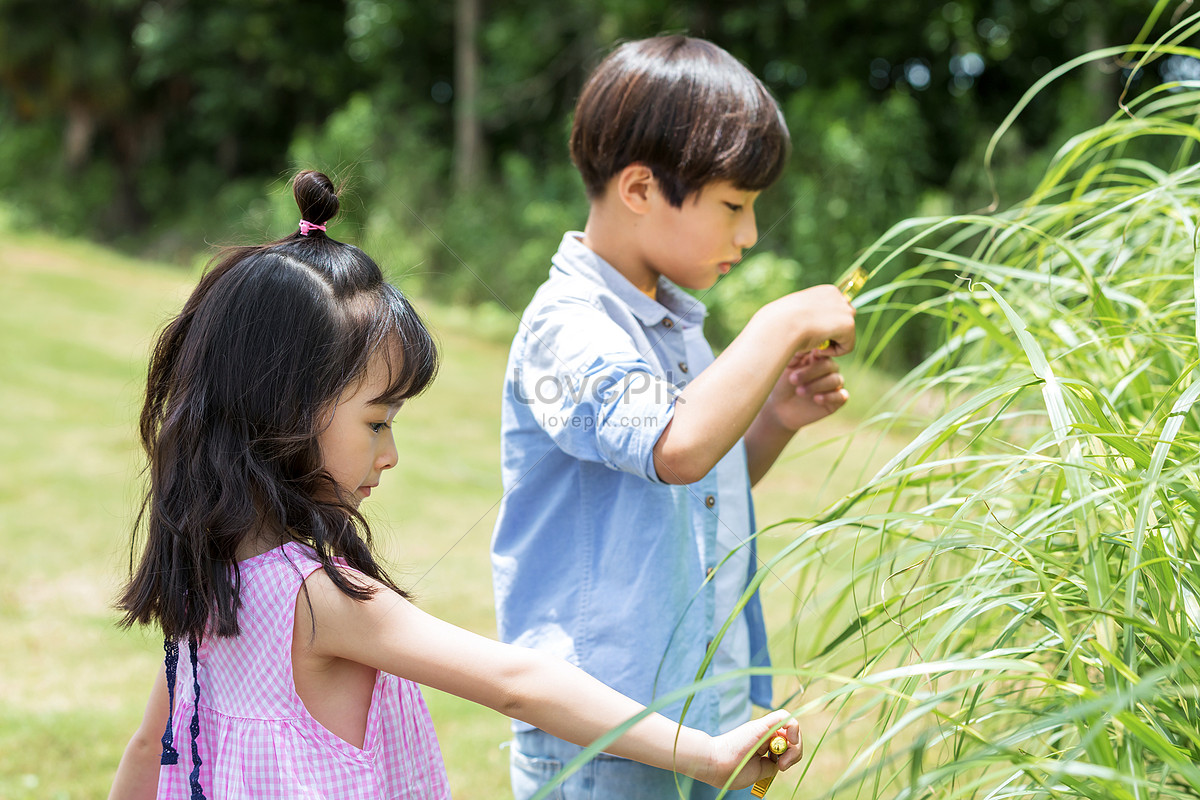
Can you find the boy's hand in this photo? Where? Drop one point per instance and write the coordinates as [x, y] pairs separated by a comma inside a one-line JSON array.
[[729, 749], [819, 318], [810, 388]]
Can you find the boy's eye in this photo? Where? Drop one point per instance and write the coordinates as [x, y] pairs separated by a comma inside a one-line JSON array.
[[734, 207], [376, 427]]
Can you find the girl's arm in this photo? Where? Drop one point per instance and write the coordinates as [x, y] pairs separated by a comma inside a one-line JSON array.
[[390, 634], [137, 776]]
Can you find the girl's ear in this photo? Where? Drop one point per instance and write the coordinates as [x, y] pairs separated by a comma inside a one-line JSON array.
[[635, 185]]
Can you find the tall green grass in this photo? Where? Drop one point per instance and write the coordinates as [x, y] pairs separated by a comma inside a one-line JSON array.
[[1017, 613]]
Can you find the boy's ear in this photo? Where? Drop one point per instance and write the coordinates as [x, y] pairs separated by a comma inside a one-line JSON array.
[[635, 184]]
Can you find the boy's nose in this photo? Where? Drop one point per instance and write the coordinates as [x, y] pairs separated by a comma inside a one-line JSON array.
[[746, 234]]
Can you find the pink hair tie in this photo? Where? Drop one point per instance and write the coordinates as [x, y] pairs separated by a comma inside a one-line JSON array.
[[306, 227]]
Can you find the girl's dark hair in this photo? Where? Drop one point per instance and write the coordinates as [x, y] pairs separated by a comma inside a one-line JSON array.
[[240, 385], [685, 108]]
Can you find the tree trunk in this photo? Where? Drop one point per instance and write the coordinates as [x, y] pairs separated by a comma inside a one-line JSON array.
[[468, 132], [79, 134], [1099, 83], [125, 213]]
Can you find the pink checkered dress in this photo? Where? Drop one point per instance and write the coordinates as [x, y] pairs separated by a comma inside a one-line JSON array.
[[257, 740]]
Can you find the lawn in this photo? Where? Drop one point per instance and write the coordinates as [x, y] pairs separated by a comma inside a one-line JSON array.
[[75, 325]]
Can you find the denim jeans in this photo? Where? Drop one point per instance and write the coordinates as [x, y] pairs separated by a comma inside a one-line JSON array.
[[537, 757]]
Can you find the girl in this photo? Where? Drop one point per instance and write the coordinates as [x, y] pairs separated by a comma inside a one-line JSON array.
[[292, 657]]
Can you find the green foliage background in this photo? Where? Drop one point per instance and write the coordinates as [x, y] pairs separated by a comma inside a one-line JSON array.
[[158, 124]]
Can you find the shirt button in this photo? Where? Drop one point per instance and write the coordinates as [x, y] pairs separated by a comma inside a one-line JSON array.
[[710, 501], [666, 323], [683, 367]]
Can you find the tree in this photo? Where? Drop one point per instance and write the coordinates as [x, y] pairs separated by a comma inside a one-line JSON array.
[[157, 88], [468, 133]]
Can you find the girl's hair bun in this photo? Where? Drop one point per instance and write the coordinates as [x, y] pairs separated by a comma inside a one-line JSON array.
[[316, 196]]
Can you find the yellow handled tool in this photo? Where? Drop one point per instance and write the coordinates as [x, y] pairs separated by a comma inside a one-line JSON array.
[[850, 286], [777, 746]]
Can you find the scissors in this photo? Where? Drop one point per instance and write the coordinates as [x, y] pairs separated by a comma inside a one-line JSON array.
[[776, 748], [849, 286]]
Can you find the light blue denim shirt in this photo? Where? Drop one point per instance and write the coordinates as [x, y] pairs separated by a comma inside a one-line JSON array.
[[594, 558]]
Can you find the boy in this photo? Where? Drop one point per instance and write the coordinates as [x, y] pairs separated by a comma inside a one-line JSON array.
[[624, 540]]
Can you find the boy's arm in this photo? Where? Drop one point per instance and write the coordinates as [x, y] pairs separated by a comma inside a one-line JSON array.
[[720, 405], [389, 633], [137, 776]]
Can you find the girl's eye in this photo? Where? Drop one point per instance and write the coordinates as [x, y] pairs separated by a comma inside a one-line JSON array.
[[376, 427], [734, 207]]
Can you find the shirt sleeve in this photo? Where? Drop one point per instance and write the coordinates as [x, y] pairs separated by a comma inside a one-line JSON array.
[[587, 385]]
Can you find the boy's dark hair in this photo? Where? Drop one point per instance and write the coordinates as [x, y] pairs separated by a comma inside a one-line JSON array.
[[240, 385], [686, 109]]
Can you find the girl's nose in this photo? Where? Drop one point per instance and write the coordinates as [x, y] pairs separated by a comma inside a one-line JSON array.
[[389, 455]]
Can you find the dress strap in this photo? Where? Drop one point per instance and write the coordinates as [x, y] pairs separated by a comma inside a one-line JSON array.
[[170, 756], [194, 778]]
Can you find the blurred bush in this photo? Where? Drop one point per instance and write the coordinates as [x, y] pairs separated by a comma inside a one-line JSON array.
[[163, 126]]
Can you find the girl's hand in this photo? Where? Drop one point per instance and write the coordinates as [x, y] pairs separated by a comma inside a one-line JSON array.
[[810, 388], [730, 749]]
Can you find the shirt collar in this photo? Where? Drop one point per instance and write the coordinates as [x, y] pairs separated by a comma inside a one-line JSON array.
[[674, 304]]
